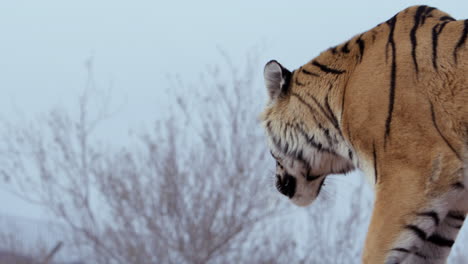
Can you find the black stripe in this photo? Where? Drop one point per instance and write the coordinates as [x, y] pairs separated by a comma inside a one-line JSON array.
[[334, 50], [417, 20], [457, 215], [273, 155], [436, 31], [374, 153], [440, 241], [285, 146], [276, 141], [312, 110], [299, 83], [320, 186], [293, 152], [350, 154], [361, 45], [458, 185], [461, 41], [420, 255], [391, 23], [327, 69], [331, 118], [343, 100], [285, 130], [335, 122], [447, 18], [434, 121], [326, 132], [298, 155], [309, 73], [427, 14], [345, 48], [311, 141], [434, 45], [374, 37], [330, 112], [431, 214], [417, 231], [310, 177]]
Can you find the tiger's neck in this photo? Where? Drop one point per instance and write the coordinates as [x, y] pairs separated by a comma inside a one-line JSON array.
[[335, 67]]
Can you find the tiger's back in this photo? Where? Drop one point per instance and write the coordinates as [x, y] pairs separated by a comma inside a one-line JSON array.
[[393, 102], [415, 59], [413, 68]]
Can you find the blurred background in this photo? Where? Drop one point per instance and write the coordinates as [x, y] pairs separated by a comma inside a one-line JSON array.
[[129, 132]]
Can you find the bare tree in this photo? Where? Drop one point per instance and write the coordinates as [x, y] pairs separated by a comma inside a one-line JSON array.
[[193, 190]]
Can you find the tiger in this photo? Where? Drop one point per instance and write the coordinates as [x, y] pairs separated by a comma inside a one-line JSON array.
[[391, 102]]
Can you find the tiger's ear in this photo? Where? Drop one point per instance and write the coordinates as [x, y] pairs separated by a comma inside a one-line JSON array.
[[276, 79]]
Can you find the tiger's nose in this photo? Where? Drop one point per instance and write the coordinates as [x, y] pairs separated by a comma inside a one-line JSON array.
[[286, 185]]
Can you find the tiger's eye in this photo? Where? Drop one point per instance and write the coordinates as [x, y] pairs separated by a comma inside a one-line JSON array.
[[311, 177]]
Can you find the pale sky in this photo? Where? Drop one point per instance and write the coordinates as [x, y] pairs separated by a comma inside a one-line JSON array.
[[137, 44]]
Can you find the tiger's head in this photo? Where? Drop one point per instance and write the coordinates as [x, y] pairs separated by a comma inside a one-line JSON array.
[[302, 134]]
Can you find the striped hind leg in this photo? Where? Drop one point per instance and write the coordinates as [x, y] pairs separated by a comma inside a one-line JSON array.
[[405, 223], [436, 248], [430, 235]]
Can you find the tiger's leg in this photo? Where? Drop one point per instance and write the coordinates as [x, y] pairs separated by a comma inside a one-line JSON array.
[[437, 247], [404, 219]]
